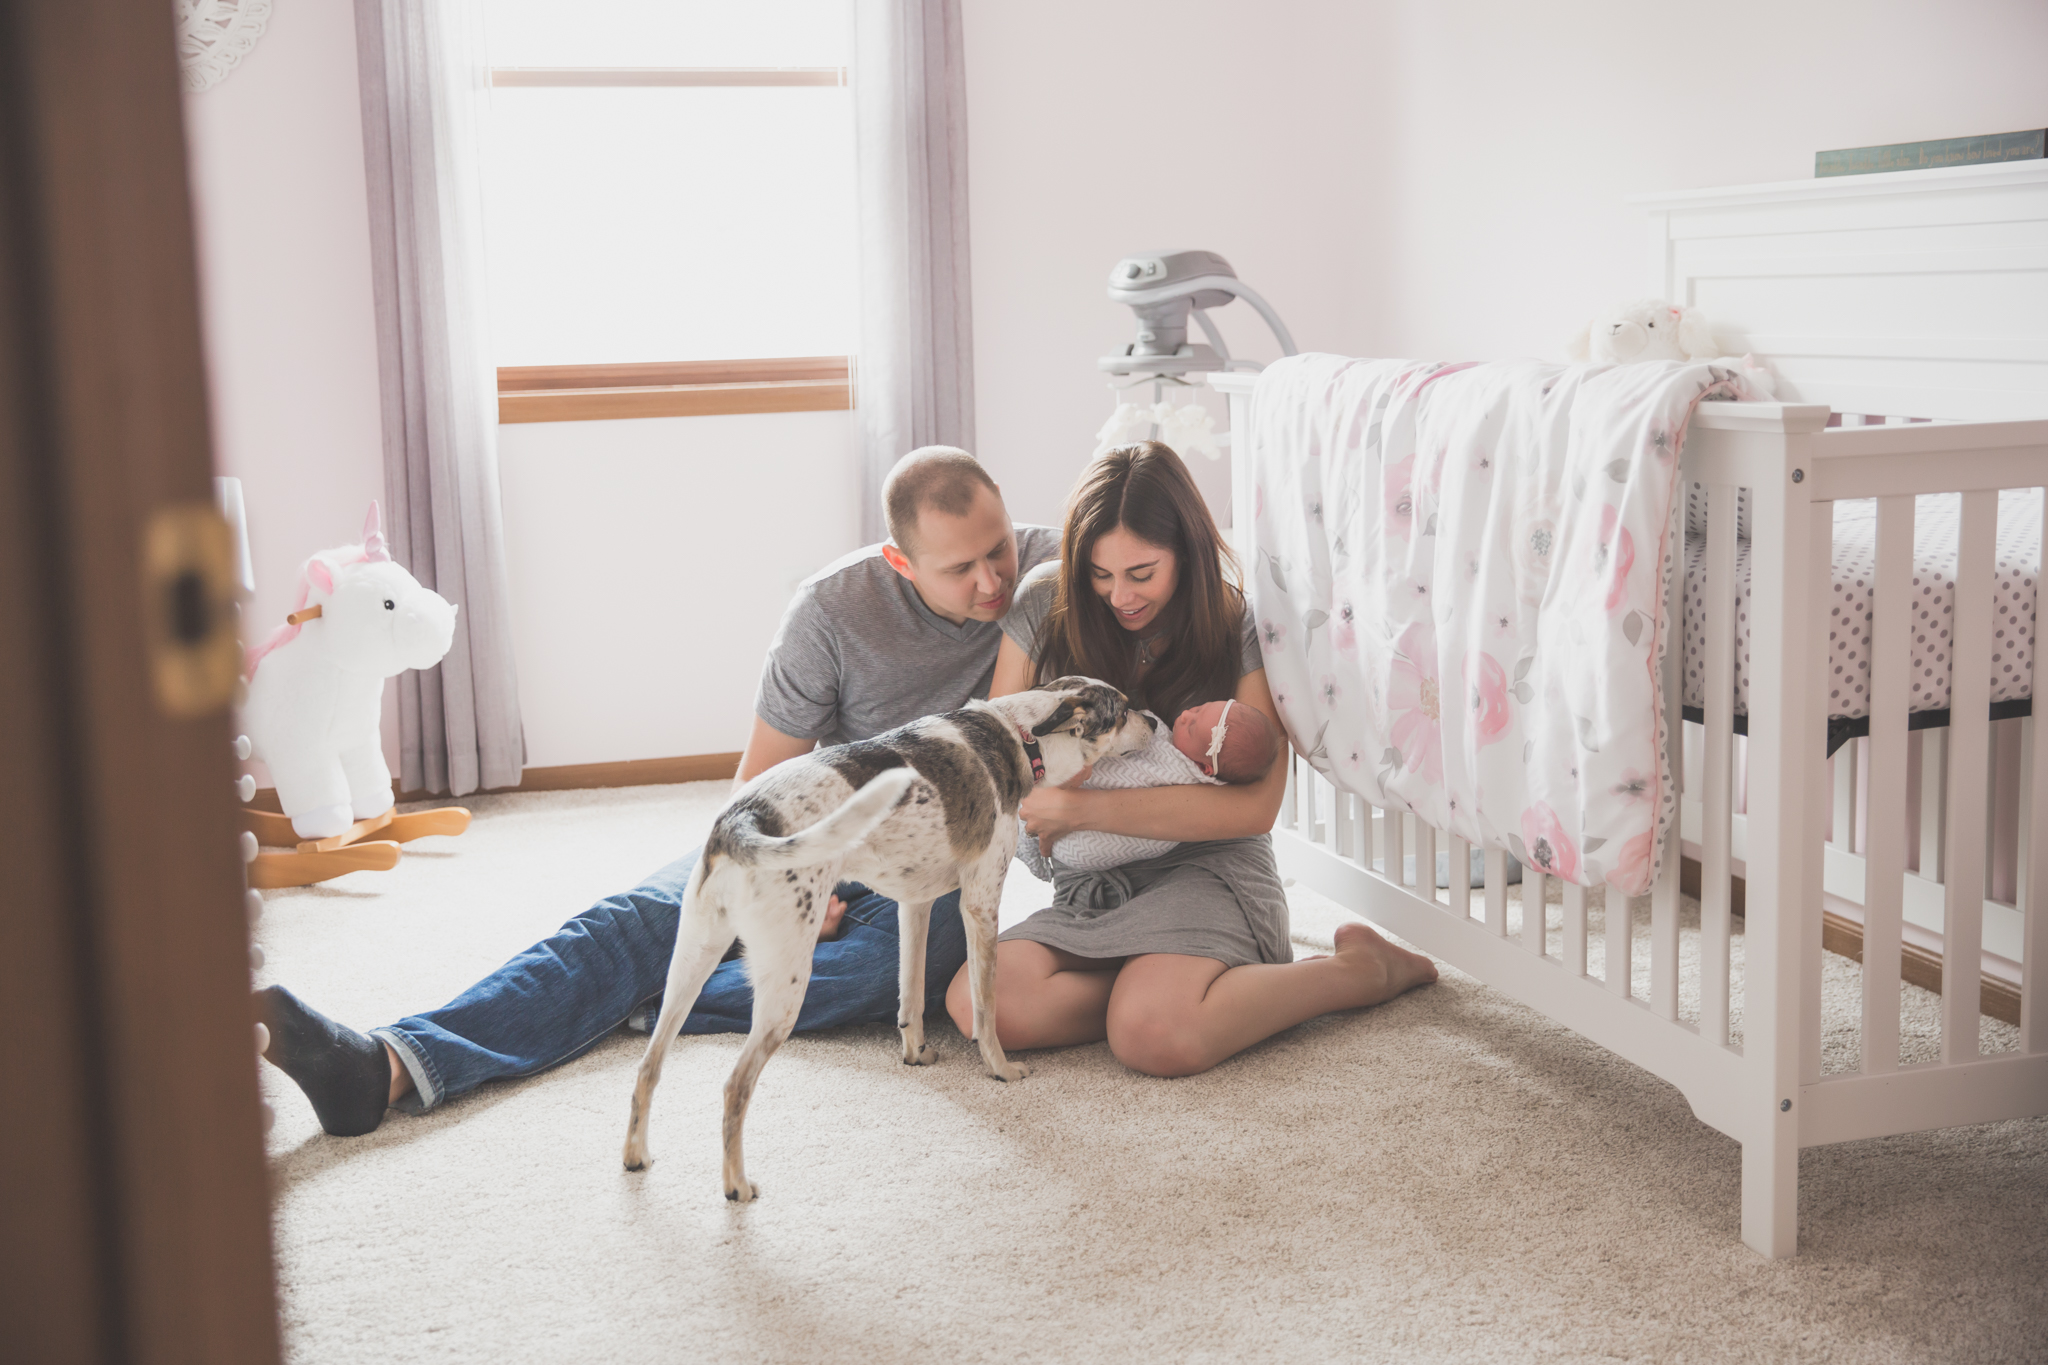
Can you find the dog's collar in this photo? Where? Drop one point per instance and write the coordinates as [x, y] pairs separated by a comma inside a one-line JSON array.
[[1031, 751]]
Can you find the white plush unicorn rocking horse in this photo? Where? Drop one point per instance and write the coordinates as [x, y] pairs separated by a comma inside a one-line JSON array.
[[313, 713]]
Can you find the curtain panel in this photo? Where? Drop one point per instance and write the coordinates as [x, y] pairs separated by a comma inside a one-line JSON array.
[[915, 372], [424, 79]]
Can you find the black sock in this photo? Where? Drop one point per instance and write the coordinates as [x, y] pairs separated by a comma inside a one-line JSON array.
[[344, 1073]]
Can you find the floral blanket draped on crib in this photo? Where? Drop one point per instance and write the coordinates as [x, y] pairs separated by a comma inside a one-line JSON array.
[[1455, 570]]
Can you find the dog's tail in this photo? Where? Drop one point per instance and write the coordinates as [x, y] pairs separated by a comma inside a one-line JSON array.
[[837, 832]]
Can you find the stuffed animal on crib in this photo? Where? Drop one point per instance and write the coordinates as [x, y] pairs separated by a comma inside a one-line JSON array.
[[316, 686], [1654, 329]]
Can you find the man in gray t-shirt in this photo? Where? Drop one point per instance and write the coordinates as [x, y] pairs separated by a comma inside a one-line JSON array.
[[871, 642], [861, 649]]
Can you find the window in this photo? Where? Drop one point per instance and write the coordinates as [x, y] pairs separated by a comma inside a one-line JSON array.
[[670, 207]]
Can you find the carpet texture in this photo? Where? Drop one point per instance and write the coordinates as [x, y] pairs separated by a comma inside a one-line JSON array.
[[1448, 1177]]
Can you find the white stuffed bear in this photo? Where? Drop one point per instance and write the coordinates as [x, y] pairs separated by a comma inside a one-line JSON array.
[[1654, 329], [316, 686]]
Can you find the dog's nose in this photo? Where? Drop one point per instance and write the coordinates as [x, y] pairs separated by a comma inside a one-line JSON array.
[[1150, 724]]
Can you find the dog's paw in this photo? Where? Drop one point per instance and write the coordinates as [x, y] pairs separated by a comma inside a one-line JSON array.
[[636, 1156], [925, 1055], [746, 1192], [1010, 1071]]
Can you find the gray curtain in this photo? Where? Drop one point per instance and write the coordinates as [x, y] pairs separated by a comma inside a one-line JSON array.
[[423, 78], [915, 371]]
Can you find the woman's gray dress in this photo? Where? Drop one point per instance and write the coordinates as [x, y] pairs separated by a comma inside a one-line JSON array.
[[1219, 899]]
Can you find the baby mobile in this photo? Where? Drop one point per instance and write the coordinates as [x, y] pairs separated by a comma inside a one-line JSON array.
[[1165, 289]]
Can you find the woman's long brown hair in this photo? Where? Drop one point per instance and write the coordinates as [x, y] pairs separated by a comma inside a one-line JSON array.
[[1146, 490]]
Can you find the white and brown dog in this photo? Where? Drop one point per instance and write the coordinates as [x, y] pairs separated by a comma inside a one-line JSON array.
[[912, 813]]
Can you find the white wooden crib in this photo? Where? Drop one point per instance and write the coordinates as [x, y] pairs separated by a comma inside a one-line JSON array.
[[1915, 306]]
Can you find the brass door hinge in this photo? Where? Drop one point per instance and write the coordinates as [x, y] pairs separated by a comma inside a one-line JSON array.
[[188, 608]]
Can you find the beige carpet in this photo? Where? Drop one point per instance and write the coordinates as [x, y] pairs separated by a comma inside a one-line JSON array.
[[1448, 1177]]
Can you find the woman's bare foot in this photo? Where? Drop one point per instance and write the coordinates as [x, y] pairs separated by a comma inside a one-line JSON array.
[[1385, 969]]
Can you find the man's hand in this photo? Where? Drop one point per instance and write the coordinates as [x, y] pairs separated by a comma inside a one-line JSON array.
[[1052, 813], [835, 919]]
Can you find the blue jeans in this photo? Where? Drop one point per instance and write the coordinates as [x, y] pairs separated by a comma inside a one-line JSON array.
[[560, 997]]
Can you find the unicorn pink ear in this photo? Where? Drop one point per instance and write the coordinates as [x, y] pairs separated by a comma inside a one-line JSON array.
[[319, 575], [374, 547]]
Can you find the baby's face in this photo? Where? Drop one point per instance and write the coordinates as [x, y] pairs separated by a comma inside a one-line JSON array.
[[1192, 730]]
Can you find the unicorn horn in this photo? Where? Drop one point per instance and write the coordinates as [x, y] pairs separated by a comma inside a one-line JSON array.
[[374, 547]]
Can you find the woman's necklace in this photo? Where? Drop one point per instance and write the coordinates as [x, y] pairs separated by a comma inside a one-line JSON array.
[[1145, 655]]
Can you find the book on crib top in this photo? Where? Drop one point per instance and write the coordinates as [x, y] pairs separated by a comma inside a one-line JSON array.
[[1920, 156]]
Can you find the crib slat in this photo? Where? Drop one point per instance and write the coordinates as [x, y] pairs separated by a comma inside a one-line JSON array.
[[1288, 817], [1460, 878], [1717, 798], [1535, 889], [1933, 800], [1575, 928], [2034, 889], [1843, 766], [1962, 937], [1397, 854], [1891, 643], [1620, 943], [1361, 832], [1664, 895], [2023, 815], [1497, 892], [1334, 818], [1425, 859], [1664, 907], [1802, 963]]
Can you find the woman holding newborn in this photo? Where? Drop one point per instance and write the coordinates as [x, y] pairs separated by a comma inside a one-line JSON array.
[[1180, 959]]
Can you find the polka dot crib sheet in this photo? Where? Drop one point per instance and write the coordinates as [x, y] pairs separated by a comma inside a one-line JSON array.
[[1936, 527]]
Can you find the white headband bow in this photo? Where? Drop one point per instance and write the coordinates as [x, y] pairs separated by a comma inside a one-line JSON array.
[[1216, 735]]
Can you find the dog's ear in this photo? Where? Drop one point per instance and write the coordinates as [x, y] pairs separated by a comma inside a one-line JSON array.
[[1061, 714], [1105, 709]]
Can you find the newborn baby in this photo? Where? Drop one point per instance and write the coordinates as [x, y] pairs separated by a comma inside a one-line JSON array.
[[1216, 743]]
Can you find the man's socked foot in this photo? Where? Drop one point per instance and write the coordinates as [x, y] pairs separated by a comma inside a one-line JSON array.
[[347, 1075], [1386, 969]]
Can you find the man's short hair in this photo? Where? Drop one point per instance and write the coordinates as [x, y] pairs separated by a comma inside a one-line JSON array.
[[944, 477]]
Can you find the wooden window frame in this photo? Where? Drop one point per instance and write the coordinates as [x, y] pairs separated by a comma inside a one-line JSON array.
[[689, 388], [558, 76]]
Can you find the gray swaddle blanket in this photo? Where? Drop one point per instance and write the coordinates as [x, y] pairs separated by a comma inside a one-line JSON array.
[[1159, 764]]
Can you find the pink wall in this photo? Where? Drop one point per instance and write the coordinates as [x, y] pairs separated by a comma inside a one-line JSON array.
[[1098, 130], [1438, 178], [276, 154], [1396, 176], [1519, 128]]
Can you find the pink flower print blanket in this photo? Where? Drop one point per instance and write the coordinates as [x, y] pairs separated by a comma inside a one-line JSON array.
[[1458, 576]]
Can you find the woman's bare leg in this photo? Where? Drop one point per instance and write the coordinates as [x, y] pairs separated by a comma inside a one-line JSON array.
[[1174, 1015], [1044, 997]]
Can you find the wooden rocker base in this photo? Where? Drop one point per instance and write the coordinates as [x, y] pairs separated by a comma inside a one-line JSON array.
[[317, 860], [272, 870]]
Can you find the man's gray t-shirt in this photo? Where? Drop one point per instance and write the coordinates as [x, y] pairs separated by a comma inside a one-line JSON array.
[[858, 651]]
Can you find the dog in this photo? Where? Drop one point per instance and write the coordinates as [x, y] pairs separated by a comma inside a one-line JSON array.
[[913, 813]]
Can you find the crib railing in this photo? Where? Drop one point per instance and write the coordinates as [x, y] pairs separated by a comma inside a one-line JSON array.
[[1767, 1089], [1377, 841]]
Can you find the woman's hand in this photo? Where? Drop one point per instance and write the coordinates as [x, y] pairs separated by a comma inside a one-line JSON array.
[[1052, 813]]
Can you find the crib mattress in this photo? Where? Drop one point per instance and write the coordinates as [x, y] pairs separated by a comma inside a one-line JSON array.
[[1935, 532]]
